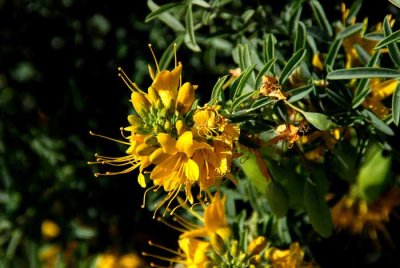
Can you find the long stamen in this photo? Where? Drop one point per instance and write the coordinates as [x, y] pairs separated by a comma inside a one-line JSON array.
[[128, 81], [162, 258], [145, 193], [175, 56], [151, 243], [108, 138], [154, 57], [123, 134], [160, 219]]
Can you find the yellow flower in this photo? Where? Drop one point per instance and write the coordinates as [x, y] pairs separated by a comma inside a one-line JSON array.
[[358, 217], [214, 221], [106, 260], [352, 59], [48, 255], [195, 252], [50, 229], [184, 151], [130, 260], [270, 87], [289, 258], [380, 90]]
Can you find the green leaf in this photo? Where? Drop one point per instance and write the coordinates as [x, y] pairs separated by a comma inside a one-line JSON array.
[[393, 48], [317, 210], [322, 20], [353, 10], [301, 37], [294, 19], [300, 92], [378, 123], [217, 90], [374, 36], [167, 18], [265, 70], [161, 9], [374, 174], [190, 24], [337, 98], [201, 3], [363, 87], [393, 37], [168, 54], [236, 103], [242, 80], [395, 2], [293, 62], [250, 168], [262, 102], [396, 106], [348, 31], [278, 198], [269, 48], [332, 53], [363, 55], [363, 72], [318, 120]]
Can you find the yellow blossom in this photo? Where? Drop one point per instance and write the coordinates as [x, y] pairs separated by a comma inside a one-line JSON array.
[[195, 252], [358, 217], [270, 87], [380, 90], [214, 221], [50, 229], [289, 258]]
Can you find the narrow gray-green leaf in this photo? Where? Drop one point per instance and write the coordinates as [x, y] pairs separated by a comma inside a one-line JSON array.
[[333, 51], [201, 3], [301, 37], [243, 78], [378, 123], [363, 55], [394, 37], [293, 62], [260, 103], [167, 18], [393, 48], [318, 120], [294, 19], [236, 103], [363, 72], [269, 48], [374, 36], [321, 18], [363, 87], [168, 54], [353, 10], [336, 97], [218, 88], [348, 31], [396, 106], [265, 70], [160, 10], [190, 24], [300, 92], [395, 2]]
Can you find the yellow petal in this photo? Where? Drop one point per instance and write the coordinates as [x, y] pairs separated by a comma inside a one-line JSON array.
[[140, 103], [191, 170], [142, 180], [166, 84], [185, 143], [168, 144], [385, 89], [185, 98], [180, 127]]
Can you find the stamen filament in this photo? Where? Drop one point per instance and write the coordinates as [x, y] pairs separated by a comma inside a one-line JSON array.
[[108, 138], [154, 57]]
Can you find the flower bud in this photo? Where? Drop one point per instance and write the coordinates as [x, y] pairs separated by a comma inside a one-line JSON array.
[[140, 104], [185, 98]]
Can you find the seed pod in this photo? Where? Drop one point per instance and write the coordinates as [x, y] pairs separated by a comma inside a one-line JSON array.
[[277, 198], [317, 210]]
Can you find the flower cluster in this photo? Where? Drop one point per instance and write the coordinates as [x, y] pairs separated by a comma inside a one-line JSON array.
[[172, 140]]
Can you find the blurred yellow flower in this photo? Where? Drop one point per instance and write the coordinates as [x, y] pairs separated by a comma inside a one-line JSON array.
[[50, 229], [289, 258], [380, 90], [48, 255], [358, 217]]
